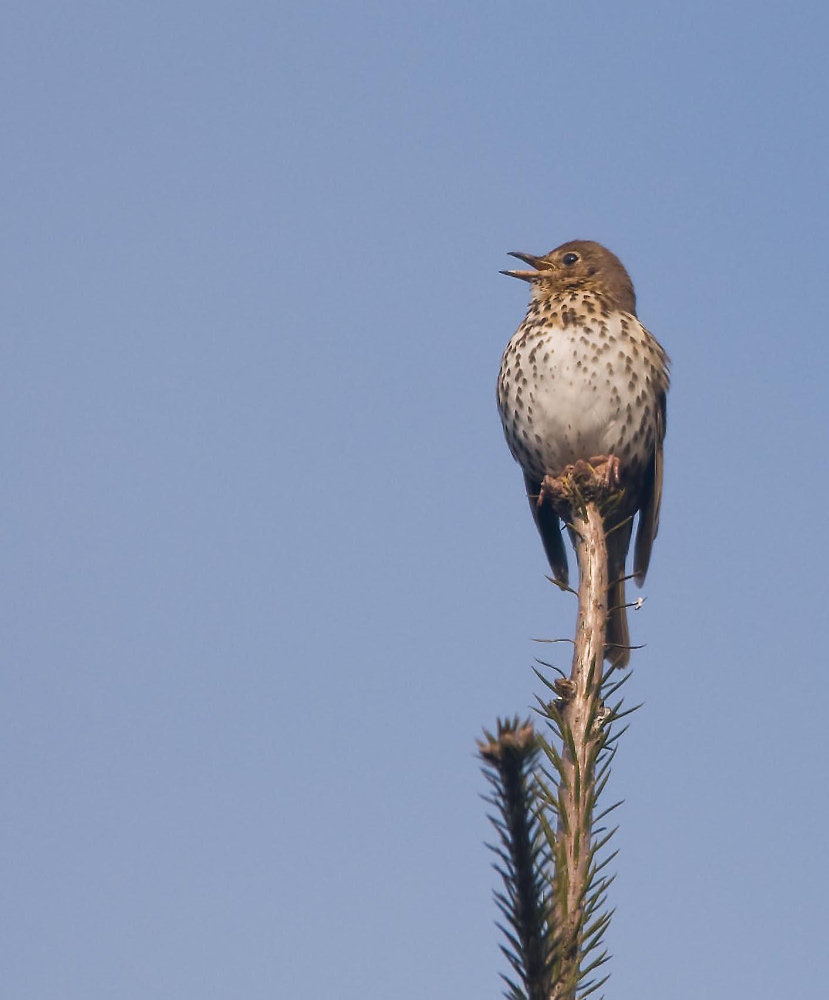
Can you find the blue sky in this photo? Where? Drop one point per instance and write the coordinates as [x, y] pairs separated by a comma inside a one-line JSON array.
[[267, 566]]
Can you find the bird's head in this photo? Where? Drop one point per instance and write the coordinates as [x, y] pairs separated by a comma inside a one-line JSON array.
[[580, 265]]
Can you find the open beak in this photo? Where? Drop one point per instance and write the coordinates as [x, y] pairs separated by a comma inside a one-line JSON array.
[[539, 263]]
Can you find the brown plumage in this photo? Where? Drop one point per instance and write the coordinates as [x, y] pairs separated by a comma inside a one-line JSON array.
[[582, 378]]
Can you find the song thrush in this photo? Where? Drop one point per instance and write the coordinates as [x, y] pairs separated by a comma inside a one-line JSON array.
[[582, 378]]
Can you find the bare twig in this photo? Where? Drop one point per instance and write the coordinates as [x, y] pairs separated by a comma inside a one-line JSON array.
[[581, 722], [582, 741]]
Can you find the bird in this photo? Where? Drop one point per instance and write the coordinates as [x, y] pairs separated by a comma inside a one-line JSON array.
[[583, 380]]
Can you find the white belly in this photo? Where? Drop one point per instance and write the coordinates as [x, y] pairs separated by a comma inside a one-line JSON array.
[[570, 393]]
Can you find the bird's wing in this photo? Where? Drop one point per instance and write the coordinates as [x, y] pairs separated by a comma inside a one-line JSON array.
[[652, 499], [549, 527]]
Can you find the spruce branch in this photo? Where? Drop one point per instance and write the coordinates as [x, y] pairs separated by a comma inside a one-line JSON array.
[[552, 849]]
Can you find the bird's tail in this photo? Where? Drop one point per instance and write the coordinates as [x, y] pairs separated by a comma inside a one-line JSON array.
[[617, 637]]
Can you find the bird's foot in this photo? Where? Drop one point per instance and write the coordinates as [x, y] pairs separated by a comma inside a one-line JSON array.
[[607, 468], [594, 480], [549, 490], [557, 488]]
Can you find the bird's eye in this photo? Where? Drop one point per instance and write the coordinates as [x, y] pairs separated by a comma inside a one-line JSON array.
[[570, 258]]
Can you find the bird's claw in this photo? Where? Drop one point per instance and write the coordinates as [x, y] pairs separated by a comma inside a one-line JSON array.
[[547, 490], [607, 466], [601, 472]]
